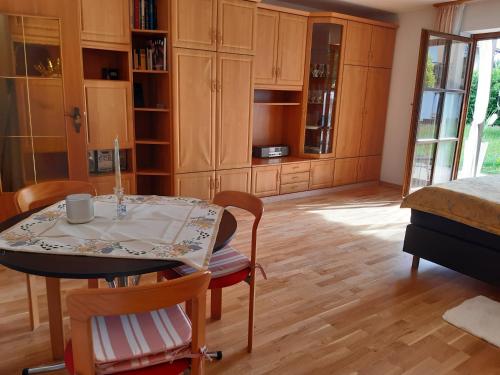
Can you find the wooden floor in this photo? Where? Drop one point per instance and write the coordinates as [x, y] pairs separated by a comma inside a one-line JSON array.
[[340, 299]]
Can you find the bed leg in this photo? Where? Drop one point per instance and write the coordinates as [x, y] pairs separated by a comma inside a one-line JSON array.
[[415, 262]]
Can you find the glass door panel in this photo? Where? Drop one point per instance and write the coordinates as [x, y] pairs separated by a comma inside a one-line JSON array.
[[443, 167], [323, 76], [428, 120], [423, 161], [450, 119], [439, 104], [33, 143]]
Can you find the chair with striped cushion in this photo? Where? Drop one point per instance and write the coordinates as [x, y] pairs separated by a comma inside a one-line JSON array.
[[40, 195], [139, 330], [228, 266]]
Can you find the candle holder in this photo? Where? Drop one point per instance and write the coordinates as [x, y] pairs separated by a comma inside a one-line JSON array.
[[121, 208]]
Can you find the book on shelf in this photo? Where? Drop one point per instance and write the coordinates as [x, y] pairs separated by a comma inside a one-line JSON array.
[[153, 57], [144, 14]]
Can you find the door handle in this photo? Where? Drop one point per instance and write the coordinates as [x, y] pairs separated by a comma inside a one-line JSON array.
[[77, 118]]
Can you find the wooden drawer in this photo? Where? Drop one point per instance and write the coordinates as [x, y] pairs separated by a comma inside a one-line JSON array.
[[295, 167], [294, 188], [293, 178]]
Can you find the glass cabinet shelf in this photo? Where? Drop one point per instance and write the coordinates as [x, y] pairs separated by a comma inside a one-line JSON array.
[[322, 87]]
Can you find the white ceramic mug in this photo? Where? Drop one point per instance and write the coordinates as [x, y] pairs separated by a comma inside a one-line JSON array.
[[79, 208]]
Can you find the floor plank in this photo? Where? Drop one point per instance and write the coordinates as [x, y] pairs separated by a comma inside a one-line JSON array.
[[340, 299]]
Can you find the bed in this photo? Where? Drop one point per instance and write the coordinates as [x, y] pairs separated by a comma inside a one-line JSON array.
[[457, 225]]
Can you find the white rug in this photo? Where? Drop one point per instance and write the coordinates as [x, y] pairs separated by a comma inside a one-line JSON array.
[[480, 316]]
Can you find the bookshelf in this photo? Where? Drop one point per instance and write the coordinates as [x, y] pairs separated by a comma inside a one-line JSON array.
[[151, 88]]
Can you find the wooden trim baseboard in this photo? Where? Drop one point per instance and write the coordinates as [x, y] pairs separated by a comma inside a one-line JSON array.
[[313, 193], [391, 185]]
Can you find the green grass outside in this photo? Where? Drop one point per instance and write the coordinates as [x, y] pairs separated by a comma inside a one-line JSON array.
[[491, 164]]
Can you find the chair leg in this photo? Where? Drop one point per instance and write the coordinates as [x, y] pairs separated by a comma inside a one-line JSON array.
[[33, 302], [251, 311], [216, 304], [93, 283], [415, 262]]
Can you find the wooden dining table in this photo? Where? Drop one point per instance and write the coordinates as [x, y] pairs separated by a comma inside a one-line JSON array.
[[116, 271]]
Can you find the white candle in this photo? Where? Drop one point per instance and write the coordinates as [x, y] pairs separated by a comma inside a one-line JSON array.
[[118, 176]]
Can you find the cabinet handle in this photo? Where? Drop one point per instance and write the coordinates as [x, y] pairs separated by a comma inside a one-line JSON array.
[[219, 86], [278, 72], [217, 184], [214, 85], [212, 184], [219, 37]]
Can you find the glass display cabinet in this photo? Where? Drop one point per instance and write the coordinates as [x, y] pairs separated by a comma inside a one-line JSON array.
[[325, 43]]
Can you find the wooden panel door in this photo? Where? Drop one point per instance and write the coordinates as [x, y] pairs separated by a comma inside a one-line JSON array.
[[267, 46], [377, 96], [266, 181], [194, 104], [346, 171], [369, 168], [382, 46], [234, 111], [199, 185], [105, 184], [55, 28], [109, 113], [321, 175], [234, 180], [237, 26], [291, 50], [194, 24], [352, 107], [358, 42], [105, 21]]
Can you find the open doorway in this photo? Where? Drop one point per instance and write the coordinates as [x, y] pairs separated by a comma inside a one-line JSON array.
[[480, 153]]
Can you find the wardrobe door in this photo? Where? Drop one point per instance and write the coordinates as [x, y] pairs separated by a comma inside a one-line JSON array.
[[194, 109], [377, 96], [346, 171], [369, 168], [234, 180], [237, 26], [199, 185], [105, 22], [234, 111], [382, 47], [291, 50], [266, 181], [352, 107], [267, 46], [194, 24], [358, 42]]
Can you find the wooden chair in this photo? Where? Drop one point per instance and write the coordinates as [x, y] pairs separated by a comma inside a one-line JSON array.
[[46, 193], [228, 266], [40, 195], [86, 304]]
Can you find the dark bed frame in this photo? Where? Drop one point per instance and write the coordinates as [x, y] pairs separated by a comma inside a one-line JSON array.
[[462, 248]]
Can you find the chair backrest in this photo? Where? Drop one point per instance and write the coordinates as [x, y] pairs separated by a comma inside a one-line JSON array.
[[83, 304], [247, 202], [46, 193]]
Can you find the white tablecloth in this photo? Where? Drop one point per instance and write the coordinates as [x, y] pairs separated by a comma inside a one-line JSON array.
[[166, 228]]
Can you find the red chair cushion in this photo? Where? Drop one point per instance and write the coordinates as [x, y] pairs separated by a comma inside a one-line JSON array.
[[128, 342], [228, 267], [174, 368]]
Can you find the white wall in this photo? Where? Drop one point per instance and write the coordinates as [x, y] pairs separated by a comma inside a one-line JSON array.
[[478, 16], [403, 76], [482, 16]]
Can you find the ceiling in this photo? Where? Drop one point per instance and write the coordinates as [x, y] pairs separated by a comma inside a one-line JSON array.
[[364, 6]]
